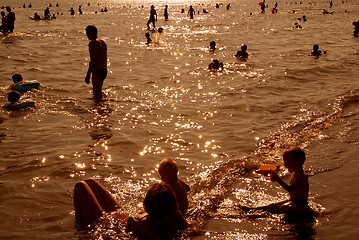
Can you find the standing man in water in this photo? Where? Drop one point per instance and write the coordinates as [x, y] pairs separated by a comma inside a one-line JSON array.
[[153, 18], [10, 19], [98, 61]]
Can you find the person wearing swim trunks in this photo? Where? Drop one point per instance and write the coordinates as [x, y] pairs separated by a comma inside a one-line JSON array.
[[98, 61]]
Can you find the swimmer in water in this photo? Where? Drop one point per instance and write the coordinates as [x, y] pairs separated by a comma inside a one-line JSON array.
[[243, 52], [166, 12], [98, 61], [191, 12], [316, 52], [215, 65], [212, 45], [14, 104]]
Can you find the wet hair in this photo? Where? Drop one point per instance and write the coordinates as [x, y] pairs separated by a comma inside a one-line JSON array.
[[169, 166], [13, 97], [315, 47], [160, 201], [17, 77], [92, 29], [295, 153], [244, 47]]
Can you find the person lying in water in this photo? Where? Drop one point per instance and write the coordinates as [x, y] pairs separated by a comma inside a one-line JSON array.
[[160, 220], [14, 104], [298, 186]]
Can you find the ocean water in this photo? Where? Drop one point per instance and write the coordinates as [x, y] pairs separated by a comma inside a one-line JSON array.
[[162, 101]]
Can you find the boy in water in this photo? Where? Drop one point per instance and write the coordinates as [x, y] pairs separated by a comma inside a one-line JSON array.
[[243, 52], [212, 45], [168, 171], [153, 18], [98, 61], [298, 186], [149, 40], [13, 98], [215, 65]]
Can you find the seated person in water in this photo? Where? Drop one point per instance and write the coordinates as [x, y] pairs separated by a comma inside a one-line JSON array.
[[243, 52], [298, 186], [161, 219], [215, 65], [316, 51], [168, 171], [14, 104], [149, 40], [212, 45]]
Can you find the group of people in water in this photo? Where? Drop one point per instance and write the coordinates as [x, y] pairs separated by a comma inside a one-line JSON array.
[[166, 203]]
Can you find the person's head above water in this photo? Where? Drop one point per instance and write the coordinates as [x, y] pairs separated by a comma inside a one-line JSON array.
[[315, 47], [13, 97], [17, 77], [168, 170], [91, 32], [212, 45], [160, 201], [244, 47]]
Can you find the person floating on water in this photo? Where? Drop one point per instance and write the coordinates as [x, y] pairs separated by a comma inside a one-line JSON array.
[[191, 12], [10, 19], [98, 61], [215, 65], [296, 25], [161, 218], [243, 52], [168, 171], [14, 104], [166, 13], [298, 186], [316, 52], [153, 18]]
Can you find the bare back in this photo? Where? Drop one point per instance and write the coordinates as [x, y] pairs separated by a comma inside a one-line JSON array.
[[98, 54]]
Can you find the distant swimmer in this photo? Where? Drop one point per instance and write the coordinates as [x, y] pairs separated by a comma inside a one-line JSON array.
[[243, 52], [98, 61], [153, 18], [72, 11], [37, 17], [228, 6], [296, 25], [149, 40], [215, 65], [212, 45], [166, 13], [316, 52], [47, 14], [191, 12], [14, 104], [80, 10], [304, 18]]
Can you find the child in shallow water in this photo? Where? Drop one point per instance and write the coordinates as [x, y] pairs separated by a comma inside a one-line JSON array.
[[243, 52], [160, 220], [316, 52], [298, 186], [14, 104], [168, 171]]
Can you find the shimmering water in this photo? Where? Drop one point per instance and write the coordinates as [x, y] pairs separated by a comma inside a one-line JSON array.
[[162, 101]]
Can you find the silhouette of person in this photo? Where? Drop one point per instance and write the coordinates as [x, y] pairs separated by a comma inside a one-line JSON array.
[[191, 12], [166, 13], [153, 17], [98, 61], [10, 19]]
